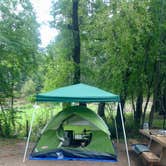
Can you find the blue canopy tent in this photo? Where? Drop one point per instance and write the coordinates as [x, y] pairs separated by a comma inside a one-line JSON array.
[[78, 93]]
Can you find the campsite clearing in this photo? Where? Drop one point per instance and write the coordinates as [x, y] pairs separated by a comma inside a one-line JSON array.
[[12, 150]]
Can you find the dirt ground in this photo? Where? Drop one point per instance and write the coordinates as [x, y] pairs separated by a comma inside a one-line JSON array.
[[11, 154]]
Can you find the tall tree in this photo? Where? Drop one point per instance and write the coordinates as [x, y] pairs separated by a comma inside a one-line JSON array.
[[120, 45], [18, 46], [158, 17]]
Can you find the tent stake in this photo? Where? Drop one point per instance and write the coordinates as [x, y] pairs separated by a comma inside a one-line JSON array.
[[30, 130], [124, 133]]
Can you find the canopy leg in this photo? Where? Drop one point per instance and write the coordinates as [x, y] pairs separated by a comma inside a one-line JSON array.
[[29, 134], [124, 133]]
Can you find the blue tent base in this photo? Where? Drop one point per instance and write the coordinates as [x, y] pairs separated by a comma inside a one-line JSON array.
[[71, 159]]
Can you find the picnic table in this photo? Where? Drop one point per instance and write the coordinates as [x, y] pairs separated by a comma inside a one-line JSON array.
[[160, 139]]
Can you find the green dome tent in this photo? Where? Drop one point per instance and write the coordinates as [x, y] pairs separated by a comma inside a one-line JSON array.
[[76, 93], [83, 135]]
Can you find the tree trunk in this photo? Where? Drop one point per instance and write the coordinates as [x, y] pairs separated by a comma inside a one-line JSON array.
[[83, 104], [76, 38], [118, 117], [151, 115], [158, 105], [156, 88], [145, 108], [164, 123], [100, 110], [12, 106], [123, 97], [163, 103], [149, 81], [1, 131], [133, 104], [138, 112], [6, 125]]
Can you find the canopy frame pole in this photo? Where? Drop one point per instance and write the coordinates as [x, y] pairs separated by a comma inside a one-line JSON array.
[[30, 131], [124, 133]]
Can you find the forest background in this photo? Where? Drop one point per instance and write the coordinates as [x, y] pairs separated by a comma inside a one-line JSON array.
[[116, 45]]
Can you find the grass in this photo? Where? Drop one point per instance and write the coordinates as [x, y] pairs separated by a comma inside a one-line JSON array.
[[42, 115]]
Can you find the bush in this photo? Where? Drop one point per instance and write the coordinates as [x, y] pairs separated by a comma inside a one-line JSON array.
[[28, 89]]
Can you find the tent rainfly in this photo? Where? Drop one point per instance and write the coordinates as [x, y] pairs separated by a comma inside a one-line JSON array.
[[64, 128]]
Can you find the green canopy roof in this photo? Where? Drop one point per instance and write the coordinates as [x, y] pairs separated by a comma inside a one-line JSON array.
[[78, 93]]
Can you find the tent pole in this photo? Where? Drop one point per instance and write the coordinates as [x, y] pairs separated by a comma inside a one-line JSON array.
[[124, 133], [29, 134]]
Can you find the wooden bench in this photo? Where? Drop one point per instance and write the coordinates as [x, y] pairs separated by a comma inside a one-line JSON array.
[[151, 158], [143, 150]]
